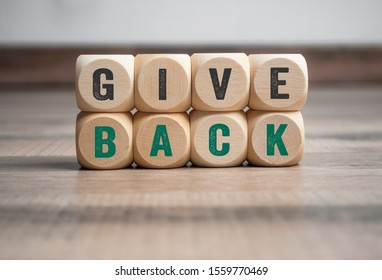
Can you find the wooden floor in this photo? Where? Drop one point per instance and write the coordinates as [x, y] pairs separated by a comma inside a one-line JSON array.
[[328, 207]]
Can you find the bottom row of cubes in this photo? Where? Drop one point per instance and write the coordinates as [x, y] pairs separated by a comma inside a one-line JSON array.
[[209, 139]]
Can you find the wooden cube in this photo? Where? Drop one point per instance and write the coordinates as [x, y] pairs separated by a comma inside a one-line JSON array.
[[275, 138], [279, 82], [161, 140], [220, 81], [218, 139], [105, 83], [104, 140], [162, 83]]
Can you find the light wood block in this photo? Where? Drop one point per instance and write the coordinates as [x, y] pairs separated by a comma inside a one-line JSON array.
[[220, 81], [104, 140], [275, 138], [162, 83], [105, 83], [161, 140], [218, 139], [279, 82]]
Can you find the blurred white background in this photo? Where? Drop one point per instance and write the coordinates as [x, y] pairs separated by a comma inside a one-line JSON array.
[[198, 22]]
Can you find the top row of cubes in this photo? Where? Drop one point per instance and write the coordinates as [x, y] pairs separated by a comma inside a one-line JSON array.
[[174, 82]]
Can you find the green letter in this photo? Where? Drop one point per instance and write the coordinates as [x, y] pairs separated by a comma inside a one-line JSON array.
[[99, 141], [275, 139], [161, 134], [213, 142]]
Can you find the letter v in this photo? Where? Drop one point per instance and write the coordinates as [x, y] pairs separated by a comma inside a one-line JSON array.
[[220, 89]]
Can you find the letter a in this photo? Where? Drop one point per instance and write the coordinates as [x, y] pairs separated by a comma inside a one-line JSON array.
[[161, 136]]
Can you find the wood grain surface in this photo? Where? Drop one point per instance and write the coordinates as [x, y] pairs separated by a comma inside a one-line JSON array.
[[42, 65], [327, 207]]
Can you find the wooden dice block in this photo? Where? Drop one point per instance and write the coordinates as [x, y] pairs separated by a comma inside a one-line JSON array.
[[162, 82], [275, 138], [104, 140], [220, 82], [279, 82], [105, 83], [218, 139], [161, 140]]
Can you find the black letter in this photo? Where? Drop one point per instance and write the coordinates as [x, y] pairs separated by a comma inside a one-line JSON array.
[[162, 84], [117, 271], [220, 89], [275, 82], [97, 84]]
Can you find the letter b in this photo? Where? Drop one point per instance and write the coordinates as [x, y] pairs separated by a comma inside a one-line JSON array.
[[100, 141]]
